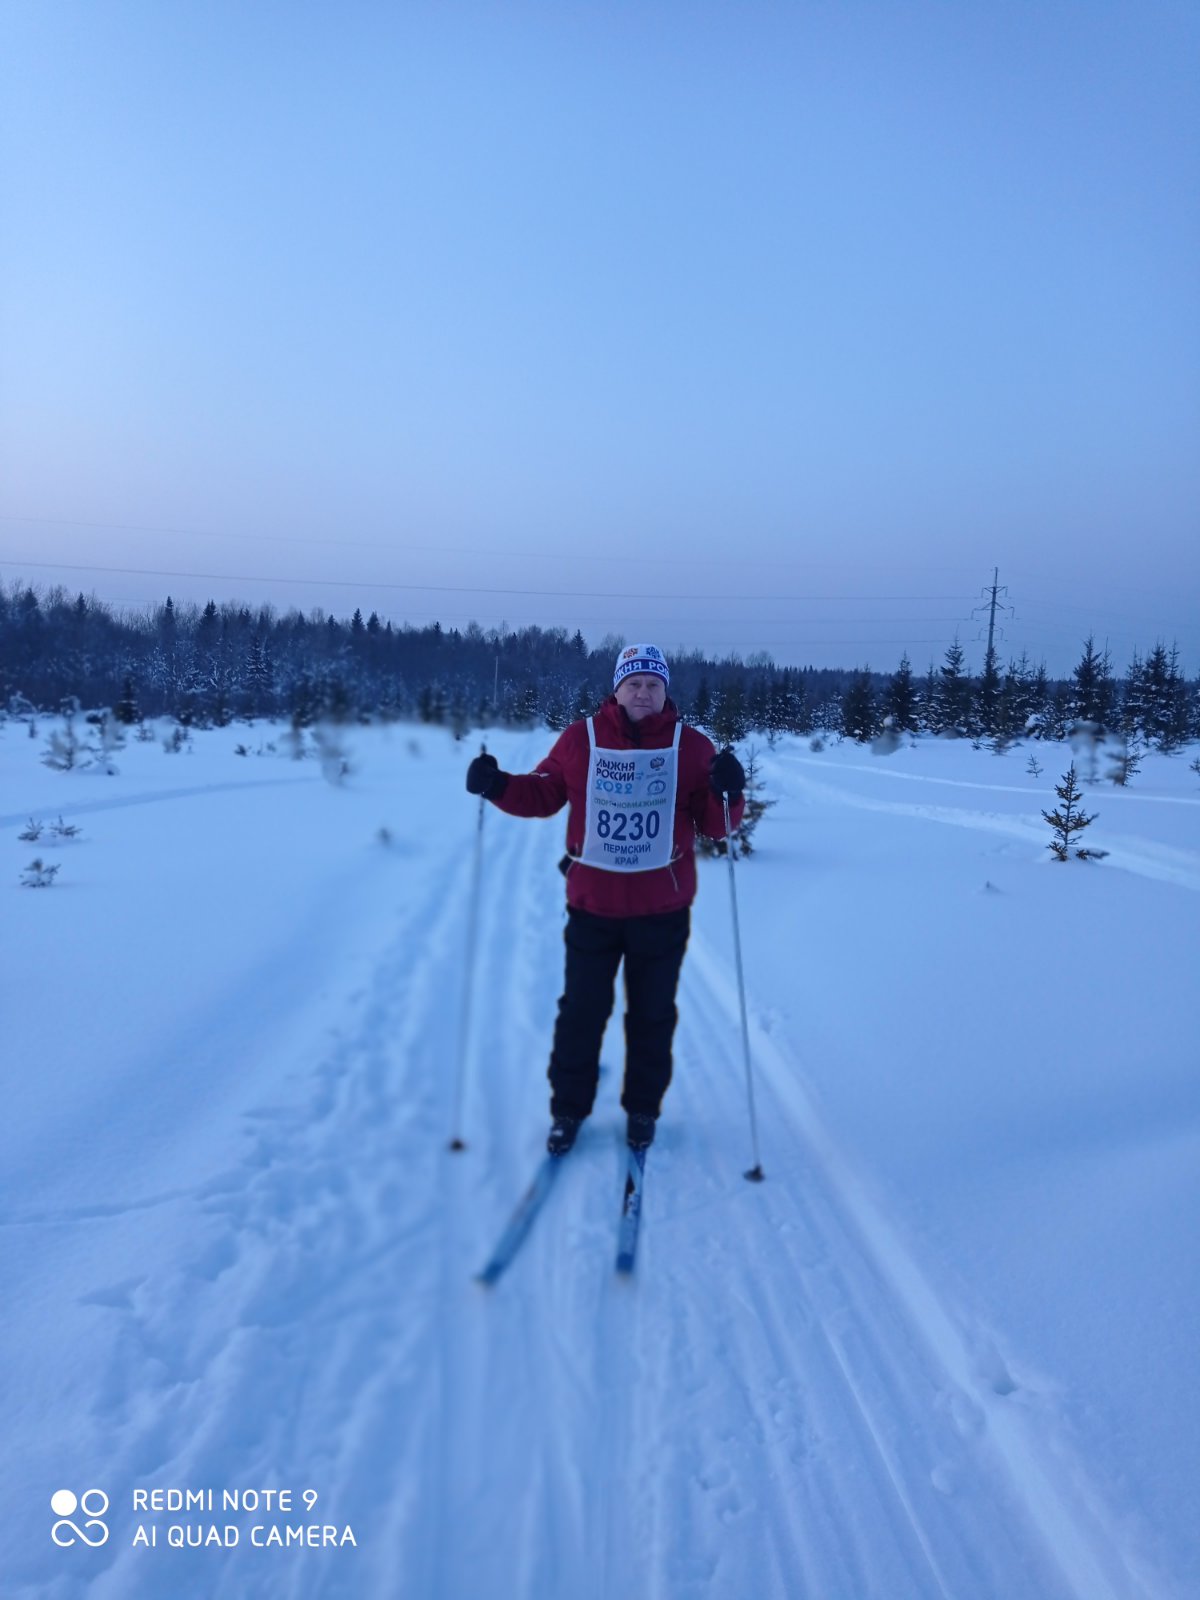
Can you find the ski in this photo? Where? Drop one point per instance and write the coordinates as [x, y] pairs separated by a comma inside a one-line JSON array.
[[521, 1221], [631, 1211]]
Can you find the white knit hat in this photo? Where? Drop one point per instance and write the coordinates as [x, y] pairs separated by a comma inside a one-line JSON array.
[[641, 658]]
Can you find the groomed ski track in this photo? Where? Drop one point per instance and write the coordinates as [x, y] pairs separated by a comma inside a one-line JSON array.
[[779, 1403]]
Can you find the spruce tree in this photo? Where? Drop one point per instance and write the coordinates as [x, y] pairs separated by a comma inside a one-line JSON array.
[[1054, 714], [1039, 703], [258, 676], [1133, 699], [952, 694], [207, 627], [1093, 692], [1069, 820], [729, 722], [900, 699], [127, 707], [800, 709], [1016, 698], [777, 710], [987, 719], [926, 702], [757, 709], [1164, 699], [858, 707], [702, 704], [527, 709]]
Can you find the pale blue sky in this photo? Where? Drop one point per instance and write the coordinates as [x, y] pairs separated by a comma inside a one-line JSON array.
[[743, 326]]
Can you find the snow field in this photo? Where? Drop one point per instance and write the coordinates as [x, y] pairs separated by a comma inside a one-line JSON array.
[[940, 1352]]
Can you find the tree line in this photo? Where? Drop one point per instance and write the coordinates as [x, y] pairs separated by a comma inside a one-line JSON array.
[[209, 665]]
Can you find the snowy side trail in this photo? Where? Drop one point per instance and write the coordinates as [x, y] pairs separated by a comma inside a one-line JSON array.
[[783, 1401], [1134, 853]]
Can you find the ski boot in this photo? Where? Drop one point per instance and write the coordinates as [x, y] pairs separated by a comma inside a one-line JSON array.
[[562, 1135], [639, 1130]]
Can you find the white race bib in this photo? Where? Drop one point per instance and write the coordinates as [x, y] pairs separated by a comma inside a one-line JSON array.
[[630, 821]]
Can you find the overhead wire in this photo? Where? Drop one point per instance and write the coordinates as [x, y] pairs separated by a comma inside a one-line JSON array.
[[441, 588]]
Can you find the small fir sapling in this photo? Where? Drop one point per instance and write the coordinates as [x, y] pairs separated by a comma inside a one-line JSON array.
[[38, 875], [1034, 767], [32, 832], [109, 737], [755, 807], [64, 750], [1069, 820], [1125, 760], [64, 830]]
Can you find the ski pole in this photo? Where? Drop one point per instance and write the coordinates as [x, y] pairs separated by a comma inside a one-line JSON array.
[[464, 1037], [755, 1174]]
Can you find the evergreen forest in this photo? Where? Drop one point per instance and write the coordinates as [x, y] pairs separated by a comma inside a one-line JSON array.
[[211, 665]]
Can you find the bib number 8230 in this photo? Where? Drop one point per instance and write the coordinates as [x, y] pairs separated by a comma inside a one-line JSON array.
[[630, 826]]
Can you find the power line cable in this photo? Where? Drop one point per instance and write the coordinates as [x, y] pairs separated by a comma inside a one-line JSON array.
[[506, 553], [447, 588]]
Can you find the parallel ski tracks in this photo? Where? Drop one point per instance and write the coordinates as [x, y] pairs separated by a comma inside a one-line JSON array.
[[915, 1479]]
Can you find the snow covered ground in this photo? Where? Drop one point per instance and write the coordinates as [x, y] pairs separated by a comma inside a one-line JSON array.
[[945, 1350]]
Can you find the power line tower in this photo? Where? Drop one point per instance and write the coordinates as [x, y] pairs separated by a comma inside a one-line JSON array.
[[988, 711], [992, 593]]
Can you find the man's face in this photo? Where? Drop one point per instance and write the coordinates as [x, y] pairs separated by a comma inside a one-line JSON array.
[[641, 694]]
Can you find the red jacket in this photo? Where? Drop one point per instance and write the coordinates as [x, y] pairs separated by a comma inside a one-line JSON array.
[[562, 778]]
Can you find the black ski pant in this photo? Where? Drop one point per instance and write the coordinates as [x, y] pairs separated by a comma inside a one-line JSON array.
[[652, 949]]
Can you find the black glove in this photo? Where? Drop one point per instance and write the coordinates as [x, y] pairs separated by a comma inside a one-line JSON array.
[[728, 776], [484, 777]]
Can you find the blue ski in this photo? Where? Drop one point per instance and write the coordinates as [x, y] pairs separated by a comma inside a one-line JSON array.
[[631, 1211], [521, 1221]]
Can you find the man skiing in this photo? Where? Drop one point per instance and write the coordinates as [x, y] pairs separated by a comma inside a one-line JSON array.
[[639, 784]]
